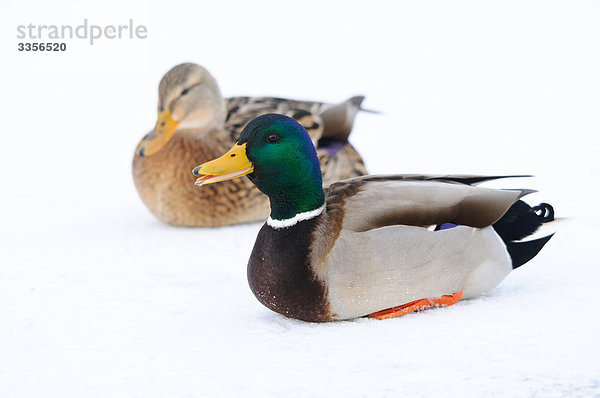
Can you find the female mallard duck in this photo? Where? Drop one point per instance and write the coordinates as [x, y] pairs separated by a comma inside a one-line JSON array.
[[196, 124], [373, 245]]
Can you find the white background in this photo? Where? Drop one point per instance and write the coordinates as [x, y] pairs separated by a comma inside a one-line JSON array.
[[98, 298]]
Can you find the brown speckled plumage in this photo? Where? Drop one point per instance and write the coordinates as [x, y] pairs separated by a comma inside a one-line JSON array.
[[166, 185]]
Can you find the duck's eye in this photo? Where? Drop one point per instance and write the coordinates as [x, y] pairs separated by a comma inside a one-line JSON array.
[[185, 91], [273, 137]]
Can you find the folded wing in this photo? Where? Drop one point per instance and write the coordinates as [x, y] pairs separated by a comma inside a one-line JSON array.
[[419, 200]]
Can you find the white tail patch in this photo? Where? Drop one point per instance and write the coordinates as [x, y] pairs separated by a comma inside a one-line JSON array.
[[547, 228]]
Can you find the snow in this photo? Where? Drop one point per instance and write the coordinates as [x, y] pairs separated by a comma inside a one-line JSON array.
[[98, 298]]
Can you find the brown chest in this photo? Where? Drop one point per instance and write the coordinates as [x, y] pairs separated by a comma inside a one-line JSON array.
[[280, 276]]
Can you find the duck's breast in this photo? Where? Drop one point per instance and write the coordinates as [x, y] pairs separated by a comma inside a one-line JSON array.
[[279, 274]]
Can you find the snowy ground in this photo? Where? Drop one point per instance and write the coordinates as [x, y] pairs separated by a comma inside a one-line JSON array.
[[98, 298]]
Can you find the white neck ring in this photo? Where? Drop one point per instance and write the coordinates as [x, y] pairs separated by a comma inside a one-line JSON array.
[[307, 215]]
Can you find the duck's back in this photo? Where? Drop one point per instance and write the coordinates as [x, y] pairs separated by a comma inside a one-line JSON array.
[[240, 110]]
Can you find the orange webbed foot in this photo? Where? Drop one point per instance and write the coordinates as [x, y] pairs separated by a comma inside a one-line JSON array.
[[417, 305]]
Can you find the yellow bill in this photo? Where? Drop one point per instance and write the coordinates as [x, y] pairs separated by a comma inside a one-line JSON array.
[[233, 164], [158, 138]]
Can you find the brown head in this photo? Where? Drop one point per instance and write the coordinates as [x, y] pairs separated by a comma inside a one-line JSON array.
[[188, 98]]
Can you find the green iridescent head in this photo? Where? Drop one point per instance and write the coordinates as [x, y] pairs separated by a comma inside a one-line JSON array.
[[279, 157]]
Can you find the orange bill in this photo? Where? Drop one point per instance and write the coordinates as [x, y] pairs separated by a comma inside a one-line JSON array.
[[158, 138]]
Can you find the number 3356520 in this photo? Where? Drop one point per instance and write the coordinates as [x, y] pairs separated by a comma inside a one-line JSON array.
[[41, 46]]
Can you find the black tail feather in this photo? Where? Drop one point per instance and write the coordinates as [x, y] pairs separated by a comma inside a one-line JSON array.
[[521, 252], [519, 222]]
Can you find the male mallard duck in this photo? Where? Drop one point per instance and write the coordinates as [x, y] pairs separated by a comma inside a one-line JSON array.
[[196, 124], [373, 245]]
